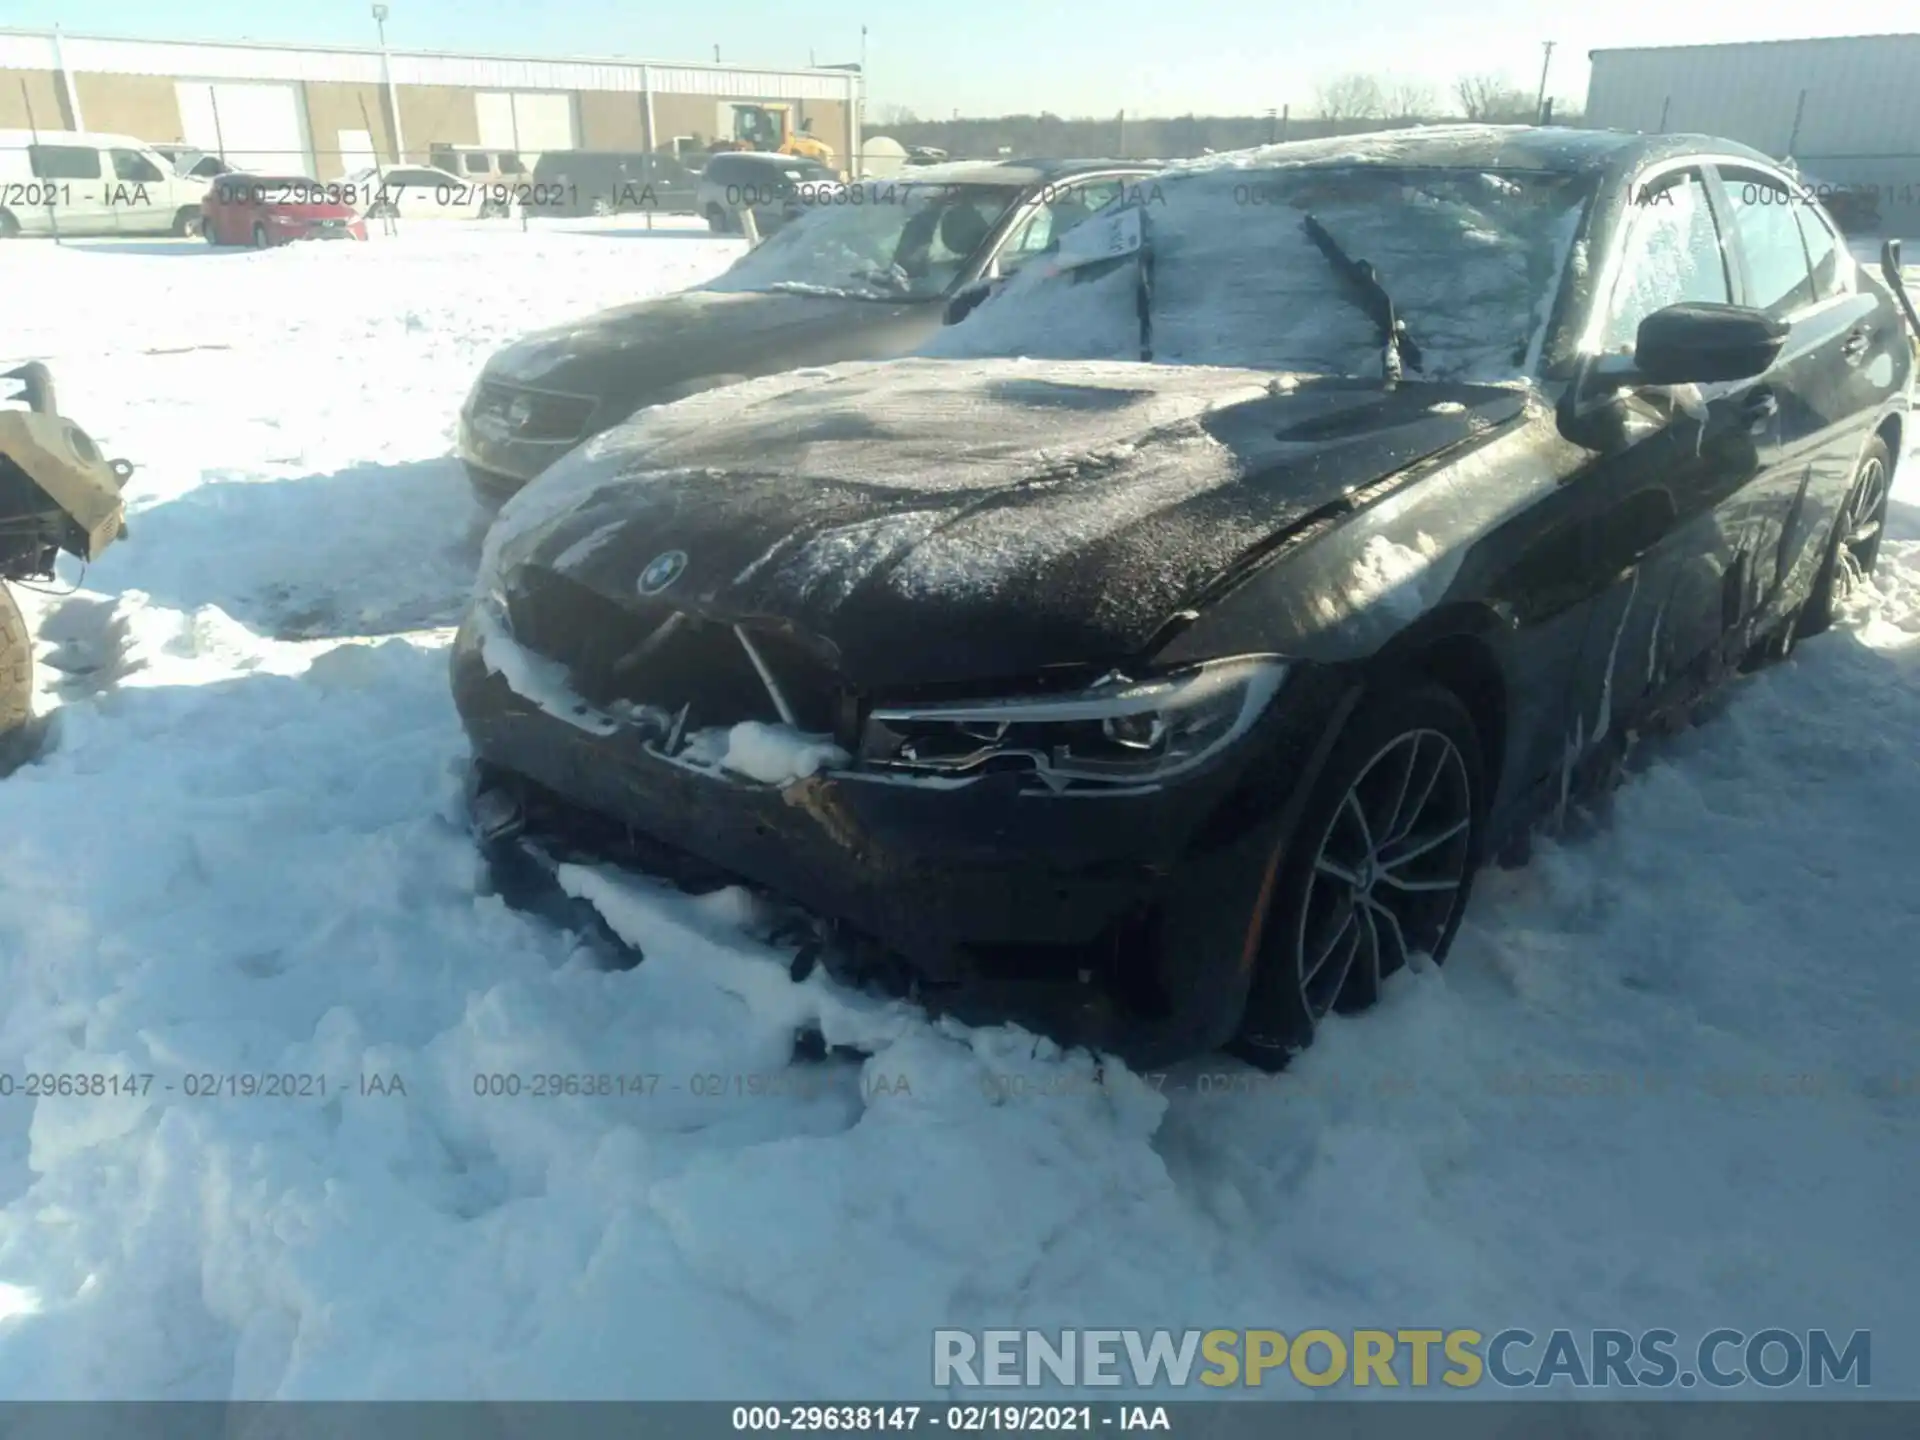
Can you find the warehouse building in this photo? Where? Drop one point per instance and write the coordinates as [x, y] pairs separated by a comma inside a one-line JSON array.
[[328, 111], [1846, 110]]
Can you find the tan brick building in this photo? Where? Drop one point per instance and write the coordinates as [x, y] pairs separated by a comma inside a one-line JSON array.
[[329, 110]]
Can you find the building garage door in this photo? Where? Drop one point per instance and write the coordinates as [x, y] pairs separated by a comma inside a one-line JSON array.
[[257, 126], [530, 121]]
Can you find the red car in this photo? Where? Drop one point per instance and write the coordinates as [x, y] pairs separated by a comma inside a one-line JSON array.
[[263, 210]]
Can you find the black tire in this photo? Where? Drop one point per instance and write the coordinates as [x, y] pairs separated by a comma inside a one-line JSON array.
[[16, 686], [1854, 549], [717, 220], [9, 227], [602, 206], [209, 236], [1408, 761], [260, 238], [188, 222]]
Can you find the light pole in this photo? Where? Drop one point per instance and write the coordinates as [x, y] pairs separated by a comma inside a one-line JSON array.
[[1540, 103], [380, 13]]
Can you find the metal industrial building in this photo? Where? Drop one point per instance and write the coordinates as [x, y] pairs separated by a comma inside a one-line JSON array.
[[330, 110], [1847, 110]]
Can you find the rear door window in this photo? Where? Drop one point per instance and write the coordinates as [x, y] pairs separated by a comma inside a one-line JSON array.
[[1767, 225], [1823, 250], [64, 162]]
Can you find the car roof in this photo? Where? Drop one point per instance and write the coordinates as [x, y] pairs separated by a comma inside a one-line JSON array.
[[1014, 172], [11, 138], [1494, 147]]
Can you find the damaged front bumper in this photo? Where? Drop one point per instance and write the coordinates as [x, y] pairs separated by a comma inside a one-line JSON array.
[[1080, 915]]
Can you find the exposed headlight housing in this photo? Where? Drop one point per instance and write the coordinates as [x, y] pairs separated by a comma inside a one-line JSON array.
[[1116, 733]]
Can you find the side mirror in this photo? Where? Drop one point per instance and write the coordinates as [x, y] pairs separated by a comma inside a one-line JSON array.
[[965, 301], [1696, 343]]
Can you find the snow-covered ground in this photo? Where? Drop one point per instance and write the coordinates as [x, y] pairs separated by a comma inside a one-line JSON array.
[[1668, 1079]]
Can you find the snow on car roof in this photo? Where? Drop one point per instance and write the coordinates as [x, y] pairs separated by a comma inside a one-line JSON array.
[[1004, 172], [1494, 147]]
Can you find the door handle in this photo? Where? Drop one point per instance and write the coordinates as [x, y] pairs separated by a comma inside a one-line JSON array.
[[1854, 347], [1759, 408]]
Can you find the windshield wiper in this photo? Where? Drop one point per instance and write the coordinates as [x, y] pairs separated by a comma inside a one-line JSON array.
[[893, 278], [1397, 345]]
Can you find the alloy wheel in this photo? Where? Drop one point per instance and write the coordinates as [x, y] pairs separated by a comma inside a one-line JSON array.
[[1860, 525], [1388, 874]]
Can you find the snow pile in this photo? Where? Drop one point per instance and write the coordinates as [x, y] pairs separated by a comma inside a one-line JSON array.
[[1662, 1060], [334, 371], [771, 754]]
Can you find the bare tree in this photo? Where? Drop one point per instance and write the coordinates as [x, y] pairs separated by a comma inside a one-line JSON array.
[[1350, 97], [888, 113], [1493, 99], [1410, 100]]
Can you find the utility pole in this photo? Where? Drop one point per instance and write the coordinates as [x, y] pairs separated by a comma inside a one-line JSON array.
[[380, 13], [1540, 104]]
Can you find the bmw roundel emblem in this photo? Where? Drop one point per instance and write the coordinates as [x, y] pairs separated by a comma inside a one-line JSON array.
[[662, 571]]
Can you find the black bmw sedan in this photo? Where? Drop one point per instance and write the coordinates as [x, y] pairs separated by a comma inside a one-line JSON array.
[[1156, 658], [865, 273]]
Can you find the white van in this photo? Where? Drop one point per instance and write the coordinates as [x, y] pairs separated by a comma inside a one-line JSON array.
[[84, 183]]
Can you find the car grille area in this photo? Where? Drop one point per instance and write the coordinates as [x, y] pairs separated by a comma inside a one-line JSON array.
[[532, 414], [625, 656]]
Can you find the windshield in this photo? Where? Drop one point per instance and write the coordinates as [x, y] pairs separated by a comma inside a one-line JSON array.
[[1472, 260], [876, 240]]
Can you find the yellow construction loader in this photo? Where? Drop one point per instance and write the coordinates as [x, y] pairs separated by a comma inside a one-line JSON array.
[[769, 128]]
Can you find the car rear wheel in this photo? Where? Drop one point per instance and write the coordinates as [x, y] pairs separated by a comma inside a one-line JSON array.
[[9, 227], [16, 685], [188, 222], [1854, 549], [260, 240], [1377, 872], [717, 220]]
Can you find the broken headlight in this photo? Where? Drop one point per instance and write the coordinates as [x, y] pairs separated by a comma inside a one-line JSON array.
[[1116, 732]]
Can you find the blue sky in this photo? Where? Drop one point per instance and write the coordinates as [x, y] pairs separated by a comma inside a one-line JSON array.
[[984, 57]]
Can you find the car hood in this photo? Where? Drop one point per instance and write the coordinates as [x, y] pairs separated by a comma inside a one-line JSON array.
[[656, 345], [935, 521]]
